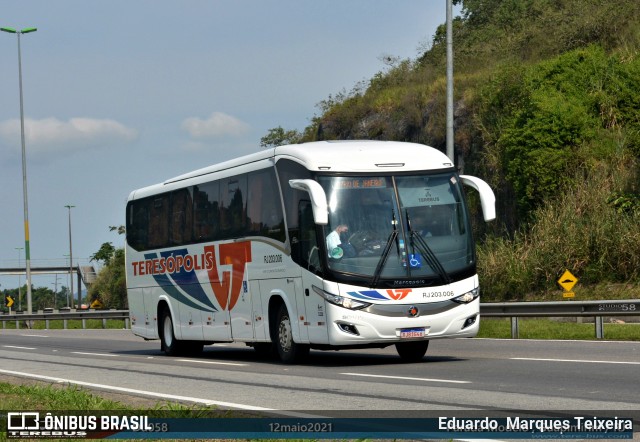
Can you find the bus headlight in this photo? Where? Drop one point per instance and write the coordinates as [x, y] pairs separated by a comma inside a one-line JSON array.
[[467, 297], [341, 301]]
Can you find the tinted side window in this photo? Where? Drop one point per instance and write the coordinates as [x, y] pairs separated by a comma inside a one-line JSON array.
[[206, 198], [308, 251], [158, 234], [264, 209], [233, 211], [289, 170], [247, 204], [181, 217], [137, 224]]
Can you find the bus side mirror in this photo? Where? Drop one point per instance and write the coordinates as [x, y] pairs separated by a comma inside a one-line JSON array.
[[318, 199], [487, 198]]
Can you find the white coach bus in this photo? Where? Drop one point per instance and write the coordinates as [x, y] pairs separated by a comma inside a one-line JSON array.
[[324, 245]]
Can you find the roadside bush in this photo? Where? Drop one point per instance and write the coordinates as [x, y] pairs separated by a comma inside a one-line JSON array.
[[581, 230], [110, 285]]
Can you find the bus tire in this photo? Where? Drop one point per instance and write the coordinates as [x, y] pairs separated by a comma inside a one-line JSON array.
[[412, 351], [288, 351], [168, 342]]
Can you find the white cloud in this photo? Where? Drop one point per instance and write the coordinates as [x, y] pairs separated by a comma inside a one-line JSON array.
[[52, 136], [217, 125]]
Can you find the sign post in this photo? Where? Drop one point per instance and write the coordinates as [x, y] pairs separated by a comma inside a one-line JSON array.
[[8, 302]]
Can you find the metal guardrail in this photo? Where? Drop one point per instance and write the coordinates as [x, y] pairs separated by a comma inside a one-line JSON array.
[[594, 309], [65, 316], [513, 310]]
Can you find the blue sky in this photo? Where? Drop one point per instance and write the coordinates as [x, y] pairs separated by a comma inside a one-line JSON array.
[[121, 94]]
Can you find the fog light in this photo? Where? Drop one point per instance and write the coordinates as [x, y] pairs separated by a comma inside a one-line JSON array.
[[348, 328], [469, 322]]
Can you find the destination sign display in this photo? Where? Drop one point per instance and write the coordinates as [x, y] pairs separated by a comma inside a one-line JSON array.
[[360, 183]]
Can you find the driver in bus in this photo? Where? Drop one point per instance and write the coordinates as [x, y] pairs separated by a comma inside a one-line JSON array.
[[334, 241]]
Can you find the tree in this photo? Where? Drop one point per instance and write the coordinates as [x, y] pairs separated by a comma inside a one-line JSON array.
[[120, 229], [110, 285], [105, 253], [278, 136]]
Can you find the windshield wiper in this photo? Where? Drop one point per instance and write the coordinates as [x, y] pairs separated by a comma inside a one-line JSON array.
[[426, 251], [386, 250]]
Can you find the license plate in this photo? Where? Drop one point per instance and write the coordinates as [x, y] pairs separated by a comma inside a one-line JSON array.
[[406, 333]]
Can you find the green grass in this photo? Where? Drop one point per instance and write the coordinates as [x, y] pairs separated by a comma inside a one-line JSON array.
[[40, 397], [46, 398], [51, 398], [538, 328]]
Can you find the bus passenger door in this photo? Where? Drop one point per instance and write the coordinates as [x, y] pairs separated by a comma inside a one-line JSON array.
[[316, 310], [310, 261]]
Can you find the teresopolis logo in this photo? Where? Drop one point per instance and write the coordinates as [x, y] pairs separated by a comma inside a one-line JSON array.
[[176, 272]]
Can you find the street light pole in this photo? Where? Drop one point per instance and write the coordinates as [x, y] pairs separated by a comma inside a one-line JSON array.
[[19, 249], [55, 292], [450, 148], [27, 250], [69, 304], [68, 206]]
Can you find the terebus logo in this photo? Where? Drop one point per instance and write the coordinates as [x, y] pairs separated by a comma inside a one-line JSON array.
[[178, 268], [393, 294]]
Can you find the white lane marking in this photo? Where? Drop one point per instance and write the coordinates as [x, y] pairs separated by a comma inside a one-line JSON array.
[[406, 378], [93, 354], [213, 362], [36, 336], [137, 392], [575, 360], [21, 348]]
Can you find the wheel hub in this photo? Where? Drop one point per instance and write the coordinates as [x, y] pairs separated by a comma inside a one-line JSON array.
[[285, 334]]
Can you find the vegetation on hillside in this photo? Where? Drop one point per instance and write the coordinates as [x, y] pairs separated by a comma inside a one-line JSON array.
[[547, 109]]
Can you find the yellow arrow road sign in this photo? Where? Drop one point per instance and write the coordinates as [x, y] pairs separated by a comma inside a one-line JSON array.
[[8, 301], [567, 281]]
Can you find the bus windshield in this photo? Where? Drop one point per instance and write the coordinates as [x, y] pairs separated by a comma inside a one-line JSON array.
[[404, 227]]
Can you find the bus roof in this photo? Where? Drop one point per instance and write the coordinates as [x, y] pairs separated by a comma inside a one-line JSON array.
[[332, 156], [365, 156]]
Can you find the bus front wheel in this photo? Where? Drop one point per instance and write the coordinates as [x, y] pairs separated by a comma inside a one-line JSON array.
[[412, 351], [288, 350]]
